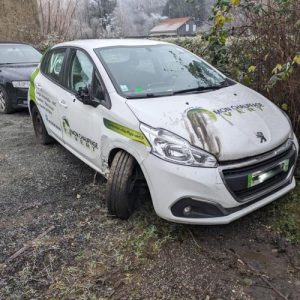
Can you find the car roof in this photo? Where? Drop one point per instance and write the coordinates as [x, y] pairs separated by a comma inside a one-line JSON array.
[[103, 43]]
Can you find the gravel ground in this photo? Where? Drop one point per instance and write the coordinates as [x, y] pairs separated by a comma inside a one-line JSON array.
[[89, 255]]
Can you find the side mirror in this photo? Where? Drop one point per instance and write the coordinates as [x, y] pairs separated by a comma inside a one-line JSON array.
[[84, 95]]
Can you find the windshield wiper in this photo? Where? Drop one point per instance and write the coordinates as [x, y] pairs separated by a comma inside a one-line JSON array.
[[4, 64], [227, 82], [199, 89], [149, 95], [19, 63]]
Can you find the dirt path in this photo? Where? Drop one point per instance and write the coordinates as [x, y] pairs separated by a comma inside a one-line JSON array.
[[92, 256]]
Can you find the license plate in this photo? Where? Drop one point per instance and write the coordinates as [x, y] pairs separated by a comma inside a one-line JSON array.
[[260, 177]]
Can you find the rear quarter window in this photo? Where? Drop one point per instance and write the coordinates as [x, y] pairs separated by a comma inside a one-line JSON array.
[[52, 65]]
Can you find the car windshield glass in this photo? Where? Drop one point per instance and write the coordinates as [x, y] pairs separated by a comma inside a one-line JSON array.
[[16, 54], [159, 70]]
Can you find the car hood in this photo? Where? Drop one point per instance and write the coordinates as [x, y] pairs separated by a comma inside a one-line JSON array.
[[17, 72], [232, 123]]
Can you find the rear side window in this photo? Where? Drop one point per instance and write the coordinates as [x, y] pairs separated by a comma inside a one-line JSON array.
[[54, 64]]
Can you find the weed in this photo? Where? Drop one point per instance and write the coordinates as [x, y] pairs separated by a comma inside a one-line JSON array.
[[286, 216]]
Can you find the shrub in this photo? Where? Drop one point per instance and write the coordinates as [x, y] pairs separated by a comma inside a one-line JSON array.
[[49, 41], [256, 43], [265, 52]]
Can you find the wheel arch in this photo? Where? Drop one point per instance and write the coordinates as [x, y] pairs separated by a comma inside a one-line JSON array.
[[113, 152], [130, 150]]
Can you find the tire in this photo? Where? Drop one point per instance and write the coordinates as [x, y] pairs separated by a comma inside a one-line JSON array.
[[39, 127], [5, 103], [122, 189]]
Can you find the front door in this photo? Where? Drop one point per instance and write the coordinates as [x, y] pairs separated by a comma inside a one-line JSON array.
[[81, 122]]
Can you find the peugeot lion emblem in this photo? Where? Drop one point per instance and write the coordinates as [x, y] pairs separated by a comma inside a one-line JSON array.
[[261, 136]]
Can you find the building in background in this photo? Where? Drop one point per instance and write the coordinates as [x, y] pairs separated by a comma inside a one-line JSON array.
[[175, 27], [19, 20]]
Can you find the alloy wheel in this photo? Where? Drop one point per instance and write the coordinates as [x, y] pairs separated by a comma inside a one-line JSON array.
[[2, 102]]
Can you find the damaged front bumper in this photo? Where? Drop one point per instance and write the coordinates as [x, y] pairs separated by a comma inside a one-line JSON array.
[[209, 196]]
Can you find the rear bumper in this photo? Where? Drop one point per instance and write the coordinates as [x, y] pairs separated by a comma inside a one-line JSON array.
[[174, 188]]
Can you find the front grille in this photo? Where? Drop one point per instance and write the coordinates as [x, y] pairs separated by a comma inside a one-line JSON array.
[[237, 179]]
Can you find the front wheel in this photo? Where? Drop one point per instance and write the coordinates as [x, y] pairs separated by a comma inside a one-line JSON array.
[[39, 127], [122, 185], [5, 103]]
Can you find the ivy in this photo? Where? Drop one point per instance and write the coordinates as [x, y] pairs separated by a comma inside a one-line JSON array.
[[219, 33], [283, 72]]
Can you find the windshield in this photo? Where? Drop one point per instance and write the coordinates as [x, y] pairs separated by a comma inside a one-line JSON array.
[[157, 70], [16, 54]]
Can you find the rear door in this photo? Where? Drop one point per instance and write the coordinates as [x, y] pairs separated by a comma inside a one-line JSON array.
[[49, 90]]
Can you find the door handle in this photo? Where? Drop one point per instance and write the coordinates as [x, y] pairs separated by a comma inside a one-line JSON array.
[[63, 103]]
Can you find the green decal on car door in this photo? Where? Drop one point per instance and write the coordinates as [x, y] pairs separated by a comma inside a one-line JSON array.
[[32, 87], [127, 132]]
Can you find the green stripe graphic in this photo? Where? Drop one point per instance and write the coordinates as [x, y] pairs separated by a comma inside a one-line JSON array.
[[125, 131], [32, 87]]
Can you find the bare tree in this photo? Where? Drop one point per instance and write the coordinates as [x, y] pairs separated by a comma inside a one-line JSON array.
[[56, 16]]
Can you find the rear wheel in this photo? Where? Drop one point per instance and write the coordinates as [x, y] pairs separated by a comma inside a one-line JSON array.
[[39, 127], [5, 103], [123, 185]]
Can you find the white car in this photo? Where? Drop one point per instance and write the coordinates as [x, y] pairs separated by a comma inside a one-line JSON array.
[[147, 113]]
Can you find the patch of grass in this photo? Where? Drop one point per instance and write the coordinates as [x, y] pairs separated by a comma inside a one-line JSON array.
[[150, 233], [112, 260], [286, 215]]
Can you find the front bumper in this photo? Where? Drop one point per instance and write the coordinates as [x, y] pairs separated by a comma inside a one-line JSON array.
[[174, 187], [18, 97]]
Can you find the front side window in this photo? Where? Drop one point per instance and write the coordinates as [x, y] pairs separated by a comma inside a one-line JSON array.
[[156, 70], [19, 54], [81, 72], [54, 65]]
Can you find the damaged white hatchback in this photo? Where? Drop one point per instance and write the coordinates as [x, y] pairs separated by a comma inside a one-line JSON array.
[[151, 114]]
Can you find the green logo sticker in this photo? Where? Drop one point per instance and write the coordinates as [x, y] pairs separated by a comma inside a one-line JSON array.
[[132, 134]]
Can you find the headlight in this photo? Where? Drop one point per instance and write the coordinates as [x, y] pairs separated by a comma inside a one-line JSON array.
[[21, 84], [172, 148]]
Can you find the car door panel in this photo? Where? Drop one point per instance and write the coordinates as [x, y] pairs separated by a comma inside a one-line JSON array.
[[81, 122], [47, 98], [49, 91]]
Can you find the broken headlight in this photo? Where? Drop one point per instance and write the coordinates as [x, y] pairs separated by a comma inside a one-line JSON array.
[[172, 148]]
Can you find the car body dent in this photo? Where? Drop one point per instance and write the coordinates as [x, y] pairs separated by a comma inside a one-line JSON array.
[[223, 122]]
